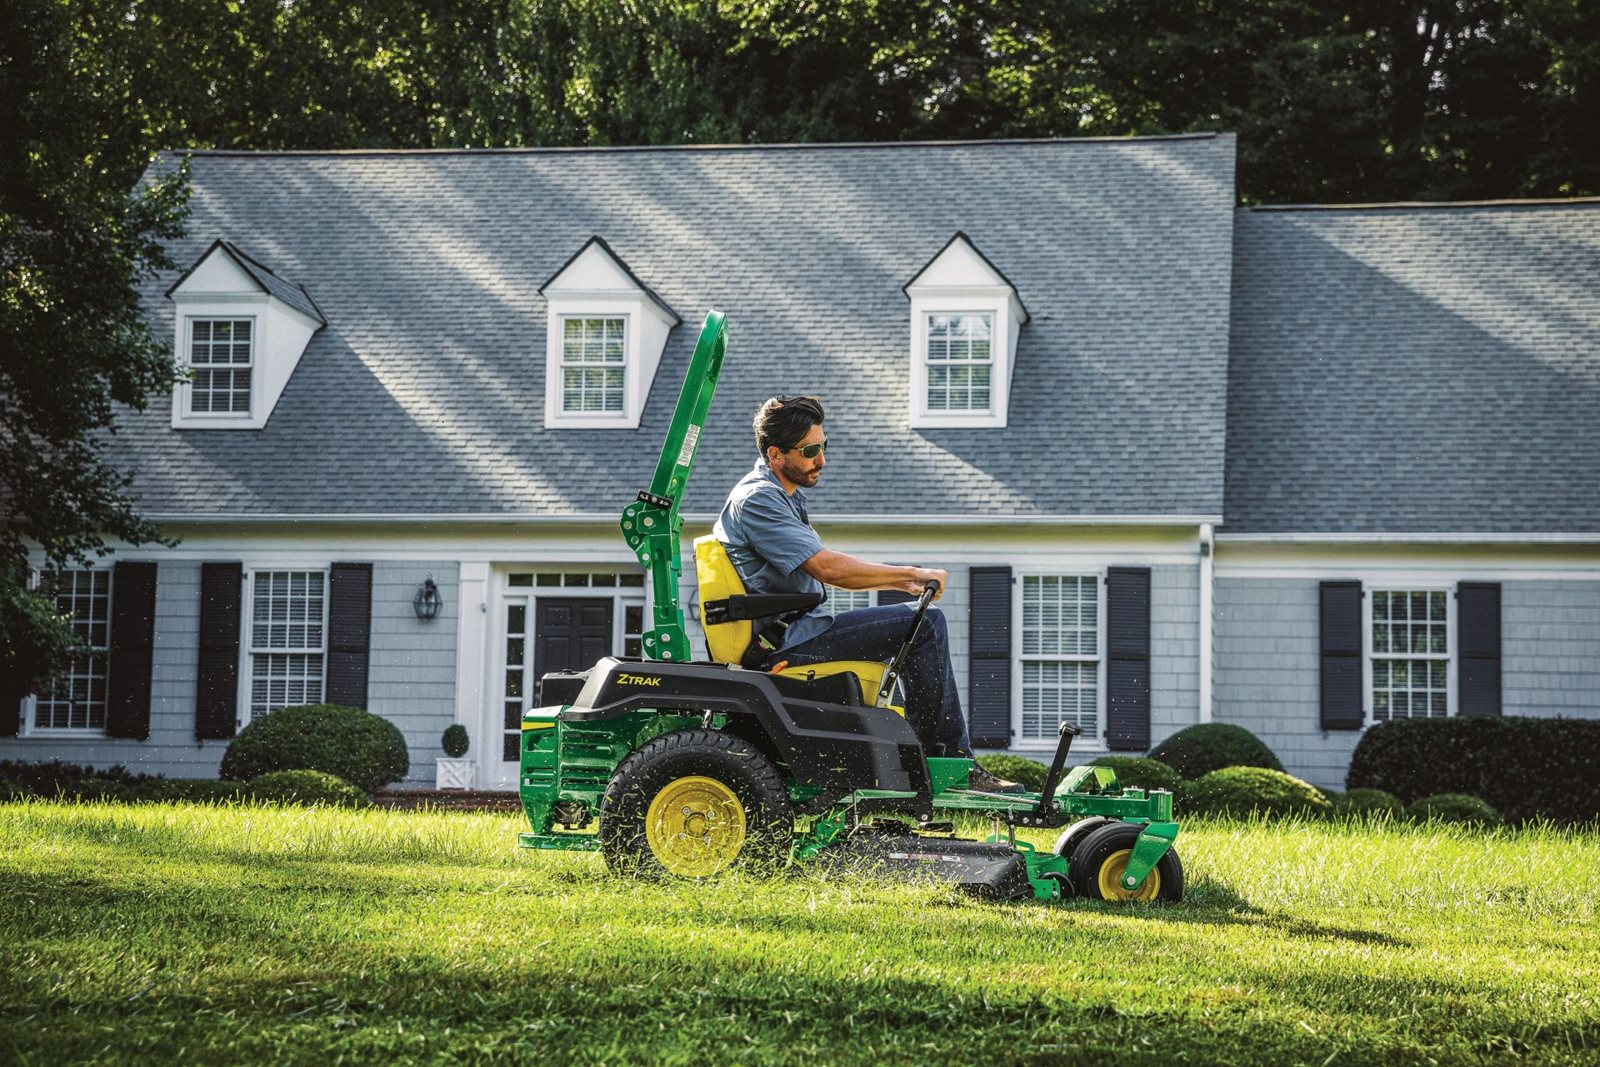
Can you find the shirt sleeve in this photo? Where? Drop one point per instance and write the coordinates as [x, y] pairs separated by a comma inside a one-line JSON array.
[[775, 532]]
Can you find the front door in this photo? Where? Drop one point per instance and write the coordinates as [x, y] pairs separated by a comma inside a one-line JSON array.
[[539, 635]]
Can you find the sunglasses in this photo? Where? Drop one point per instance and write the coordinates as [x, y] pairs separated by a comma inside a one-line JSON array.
[[811, 451]]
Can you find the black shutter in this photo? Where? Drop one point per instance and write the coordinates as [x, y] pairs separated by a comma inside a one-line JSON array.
[[349, 632], [1128, 659], [1478, 619], [133, 632], [216, 703], [989, 657], [894, 596], [1340, 626]]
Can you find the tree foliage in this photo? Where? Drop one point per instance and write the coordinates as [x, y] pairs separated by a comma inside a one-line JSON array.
[[73, 342]]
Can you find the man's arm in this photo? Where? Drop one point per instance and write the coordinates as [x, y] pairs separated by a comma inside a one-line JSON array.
[[848, 572]]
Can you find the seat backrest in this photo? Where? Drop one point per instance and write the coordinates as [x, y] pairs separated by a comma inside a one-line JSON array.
[[718, 580]]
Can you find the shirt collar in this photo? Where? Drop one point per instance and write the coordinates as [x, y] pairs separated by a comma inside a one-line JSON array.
[[765, 471]]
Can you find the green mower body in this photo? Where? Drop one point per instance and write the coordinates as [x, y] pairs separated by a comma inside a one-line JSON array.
[[675, 767]]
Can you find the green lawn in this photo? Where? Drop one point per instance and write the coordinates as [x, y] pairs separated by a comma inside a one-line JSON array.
[[229, 935]]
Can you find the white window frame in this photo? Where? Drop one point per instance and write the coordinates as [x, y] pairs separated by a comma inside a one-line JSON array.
[[30, 703], [186, 389], [627, 366], [1018, 657], [1400, 584], [248, 651], [232, 307], [991, 302]]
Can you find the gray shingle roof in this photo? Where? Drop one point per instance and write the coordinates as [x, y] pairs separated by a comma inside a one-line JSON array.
[[425, 391], [1416, 369]]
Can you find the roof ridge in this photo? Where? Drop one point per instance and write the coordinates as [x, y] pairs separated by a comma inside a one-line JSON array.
[[1408, 205], [619, 149]]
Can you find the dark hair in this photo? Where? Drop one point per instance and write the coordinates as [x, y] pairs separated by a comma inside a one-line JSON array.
[[784, 420]]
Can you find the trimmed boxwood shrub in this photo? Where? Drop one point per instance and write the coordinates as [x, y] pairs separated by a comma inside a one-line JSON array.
[[1524, 768], [455, 741], [1141, 772], [1025, 772], [306, 787], [1241, 790], [365, 750], [1196, 751], [1454, 807], [1365, 802]]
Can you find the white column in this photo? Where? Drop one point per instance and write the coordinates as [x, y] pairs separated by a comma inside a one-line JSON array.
[[1207, 568], [471, 646]]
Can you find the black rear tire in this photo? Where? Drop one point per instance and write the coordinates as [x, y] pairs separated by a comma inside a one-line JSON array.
[[718, 804]]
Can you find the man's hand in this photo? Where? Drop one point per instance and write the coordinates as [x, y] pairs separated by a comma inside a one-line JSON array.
[[920, 577]]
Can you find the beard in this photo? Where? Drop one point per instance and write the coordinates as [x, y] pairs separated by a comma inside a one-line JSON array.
[[802, 473]]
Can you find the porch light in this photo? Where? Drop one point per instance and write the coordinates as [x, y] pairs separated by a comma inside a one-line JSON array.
[[427, 602]]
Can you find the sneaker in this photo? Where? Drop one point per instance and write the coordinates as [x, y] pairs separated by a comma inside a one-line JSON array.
[[984, 782]]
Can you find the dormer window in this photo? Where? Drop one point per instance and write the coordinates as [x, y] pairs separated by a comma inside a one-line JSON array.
[[221, 357], [240, 333], [606, 333], [965, 320], [594, 365]]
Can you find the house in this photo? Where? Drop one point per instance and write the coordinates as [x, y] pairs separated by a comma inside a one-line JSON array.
[[1303, 469]]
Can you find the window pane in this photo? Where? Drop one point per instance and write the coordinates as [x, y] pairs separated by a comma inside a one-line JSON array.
[[286, 638], [1410, 646], [220, 361]]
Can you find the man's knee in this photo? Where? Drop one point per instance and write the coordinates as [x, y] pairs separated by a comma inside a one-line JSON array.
[[935, 630]]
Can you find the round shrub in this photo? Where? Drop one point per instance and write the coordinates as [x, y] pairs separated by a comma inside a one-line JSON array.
[[1141, 772], [1454, 807], [455, 741], [1025, 772], [1365, 802], [1241, 790], [1196, 751], [363, 749], [306, 787]]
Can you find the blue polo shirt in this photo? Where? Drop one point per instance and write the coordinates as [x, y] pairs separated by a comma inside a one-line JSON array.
[[768, 535]]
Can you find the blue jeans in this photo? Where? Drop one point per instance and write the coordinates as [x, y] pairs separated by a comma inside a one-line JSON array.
[[933, 704]]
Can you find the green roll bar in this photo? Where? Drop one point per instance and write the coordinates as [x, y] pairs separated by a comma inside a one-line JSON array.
[[651, 524]]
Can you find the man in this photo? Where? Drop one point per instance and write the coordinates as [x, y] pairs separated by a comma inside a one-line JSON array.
[[772, 545]]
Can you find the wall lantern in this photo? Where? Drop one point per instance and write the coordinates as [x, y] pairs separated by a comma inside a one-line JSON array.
[[427, 602]]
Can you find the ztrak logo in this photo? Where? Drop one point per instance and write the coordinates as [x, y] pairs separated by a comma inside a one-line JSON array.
[[637, 679]]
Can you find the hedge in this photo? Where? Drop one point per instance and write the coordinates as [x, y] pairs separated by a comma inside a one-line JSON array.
[[1196, 751], [1140, 772], [1366, 802], [365, 750], [1242, 790], [1524, 768]]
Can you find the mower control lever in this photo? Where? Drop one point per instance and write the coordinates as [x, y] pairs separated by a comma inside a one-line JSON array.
[[892, 675], [1047, 799]]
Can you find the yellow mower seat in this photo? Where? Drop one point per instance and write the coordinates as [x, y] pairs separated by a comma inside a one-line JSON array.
[[727, 641]]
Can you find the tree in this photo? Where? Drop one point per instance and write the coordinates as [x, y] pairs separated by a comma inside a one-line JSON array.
[[74, 343]]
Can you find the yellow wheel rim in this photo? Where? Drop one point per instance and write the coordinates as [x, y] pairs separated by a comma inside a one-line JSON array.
[[695, 826], [1111, 872]]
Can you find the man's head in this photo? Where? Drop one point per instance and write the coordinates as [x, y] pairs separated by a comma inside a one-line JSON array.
[[787, 428]]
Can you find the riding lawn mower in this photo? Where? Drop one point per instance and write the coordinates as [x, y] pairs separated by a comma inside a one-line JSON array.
[[676, 767]]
